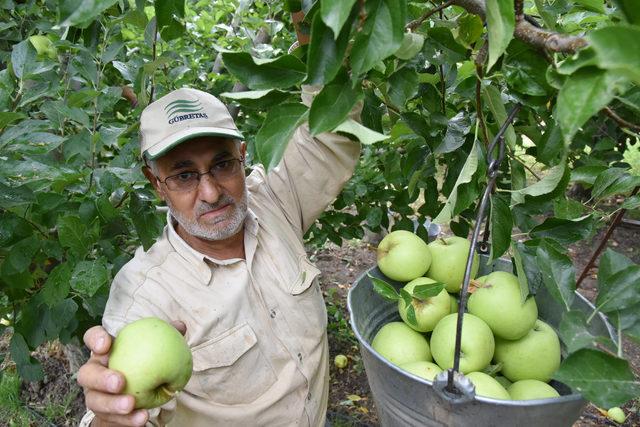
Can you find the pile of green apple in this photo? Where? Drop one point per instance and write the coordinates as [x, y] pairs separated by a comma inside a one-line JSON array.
[[507, 352]]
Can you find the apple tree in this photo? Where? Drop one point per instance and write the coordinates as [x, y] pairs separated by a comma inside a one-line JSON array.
[[436, 81]]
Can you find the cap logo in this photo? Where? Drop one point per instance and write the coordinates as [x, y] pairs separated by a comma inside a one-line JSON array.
[[192, 110]]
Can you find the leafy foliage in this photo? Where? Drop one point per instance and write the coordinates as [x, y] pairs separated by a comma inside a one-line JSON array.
[[75, 74]]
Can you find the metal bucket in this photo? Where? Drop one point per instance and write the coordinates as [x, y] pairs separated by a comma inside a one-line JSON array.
[[403, 399]]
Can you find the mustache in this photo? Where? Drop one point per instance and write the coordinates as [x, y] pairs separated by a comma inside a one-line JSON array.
[[205, 207]]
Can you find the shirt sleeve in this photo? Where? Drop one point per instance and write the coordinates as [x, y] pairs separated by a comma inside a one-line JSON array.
[[313, 170]]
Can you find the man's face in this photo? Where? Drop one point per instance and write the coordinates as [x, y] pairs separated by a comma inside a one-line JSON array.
[[216, 207]]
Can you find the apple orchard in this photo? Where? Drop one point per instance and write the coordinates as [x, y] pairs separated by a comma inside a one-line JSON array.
[[556, 82]]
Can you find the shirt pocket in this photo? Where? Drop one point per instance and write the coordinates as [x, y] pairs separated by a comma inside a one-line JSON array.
[[307, 298], [231, 369]]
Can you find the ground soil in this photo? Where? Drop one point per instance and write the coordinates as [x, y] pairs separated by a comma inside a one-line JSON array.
[[350, 401]]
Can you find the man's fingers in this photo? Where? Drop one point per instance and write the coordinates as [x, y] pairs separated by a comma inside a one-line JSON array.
[[105, 403], [180, 326], [97, 340], [93, 376], [137, 418]]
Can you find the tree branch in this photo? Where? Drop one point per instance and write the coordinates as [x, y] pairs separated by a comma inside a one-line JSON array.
[[529, 33], [415, 24], [620, 121]]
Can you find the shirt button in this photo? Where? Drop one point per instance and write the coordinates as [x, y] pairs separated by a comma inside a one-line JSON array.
[[272, 314], [309, 396], [300, 357]]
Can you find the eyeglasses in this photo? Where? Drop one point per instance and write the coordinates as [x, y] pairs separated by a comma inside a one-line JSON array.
[[188, 180]]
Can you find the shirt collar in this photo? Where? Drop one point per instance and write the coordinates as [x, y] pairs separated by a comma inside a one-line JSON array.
[[203, 264]]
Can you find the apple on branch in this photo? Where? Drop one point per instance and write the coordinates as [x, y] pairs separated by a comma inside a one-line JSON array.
[[496, 299], [154, 359], [449, 260], [403, 256]]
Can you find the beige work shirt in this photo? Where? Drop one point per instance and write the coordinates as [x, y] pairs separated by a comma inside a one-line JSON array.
[[256, 326]]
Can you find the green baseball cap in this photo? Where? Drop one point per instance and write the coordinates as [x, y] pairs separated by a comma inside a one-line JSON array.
[[182, 115]]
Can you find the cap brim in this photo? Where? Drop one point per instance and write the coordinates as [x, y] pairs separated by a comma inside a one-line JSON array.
[[170, 142]]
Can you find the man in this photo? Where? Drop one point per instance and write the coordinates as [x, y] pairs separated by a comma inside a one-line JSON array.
[[230, 268]]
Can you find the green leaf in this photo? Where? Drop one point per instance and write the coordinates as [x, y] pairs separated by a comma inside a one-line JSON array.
[[605, 380], [411, 45], [72, 234], [610, 263], [521, 271], [325, 54], [592, 5], [23, 56], [332, 105], [558, 273], [28, 368], [617, 48], [465, 176], [403, 85], [574, 333], [551, 149], [13, 228], [278, 73], [583, 94], [19, 258], [630, 10], [545, 186], [501, 225], [381, 35], [411, 312], [7, 117], [276, 131], [470, 29], [89, 276], [56, 288], [384, 289], [442, 49], [458, 127], [81, 12], [365, 135], [501, 22], [620, 290], [424, 292], [145, 220], [335, 14], [525, 70], [258, 99], [491, 96], [587, 174], [613, 181], [631, 203], [170, 14], [565, 231]]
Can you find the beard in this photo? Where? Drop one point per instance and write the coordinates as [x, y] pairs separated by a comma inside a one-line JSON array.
[[214, 229]]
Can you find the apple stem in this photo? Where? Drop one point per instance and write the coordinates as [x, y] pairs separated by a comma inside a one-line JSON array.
[[166, 391], [444, 242]]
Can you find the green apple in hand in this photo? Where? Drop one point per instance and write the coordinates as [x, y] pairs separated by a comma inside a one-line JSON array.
[[476, 345], [423, 369], [154, 359], [487, 386], [535, 356], [449, 261], [403, 256], [531, 389], [497, 301], [400, 344], [429, 311]]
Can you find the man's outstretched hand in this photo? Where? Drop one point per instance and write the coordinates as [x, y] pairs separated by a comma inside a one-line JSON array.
[[103, 386]]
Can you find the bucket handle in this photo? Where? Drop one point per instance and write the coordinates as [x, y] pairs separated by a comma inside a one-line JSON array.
[[455, 386]]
